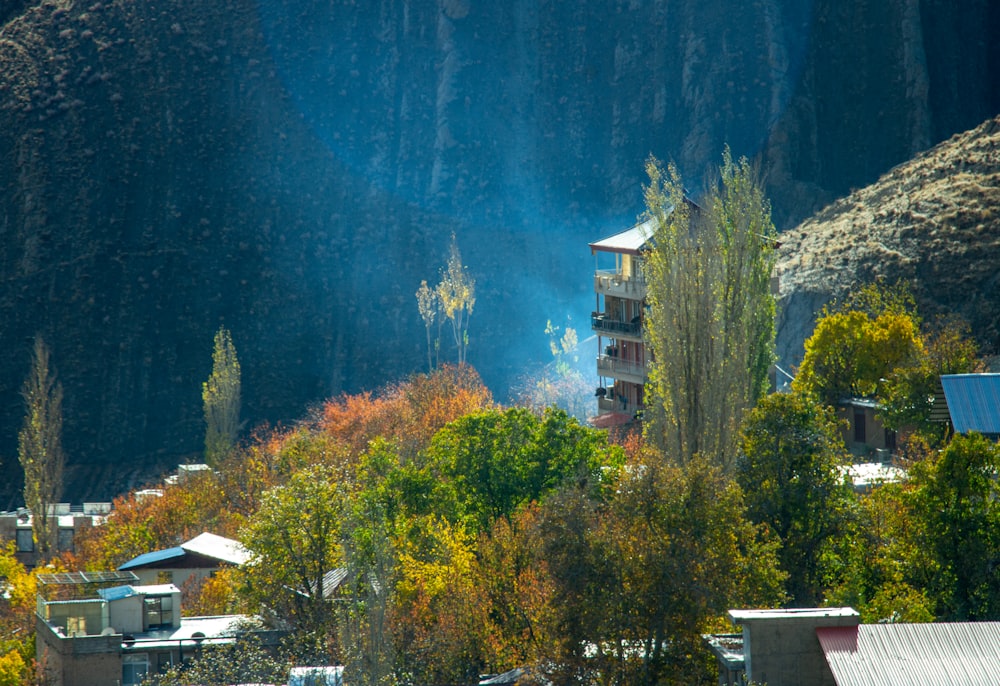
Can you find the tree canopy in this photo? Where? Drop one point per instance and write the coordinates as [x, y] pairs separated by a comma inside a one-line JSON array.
[[710, 322]]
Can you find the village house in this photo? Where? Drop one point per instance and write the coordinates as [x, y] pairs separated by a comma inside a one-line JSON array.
[[970, 402], [189, 564]]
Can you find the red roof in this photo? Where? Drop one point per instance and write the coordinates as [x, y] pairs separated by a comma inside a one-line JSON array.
[[963, 654]]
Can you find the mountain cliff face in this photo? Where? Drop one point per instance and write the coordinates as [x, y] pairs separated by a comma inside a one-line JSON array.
[[933, 222], [293, 170]]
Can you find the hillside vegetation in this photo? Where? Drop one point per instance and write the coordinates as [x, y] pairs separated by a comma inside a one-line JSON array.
[[933, 221]]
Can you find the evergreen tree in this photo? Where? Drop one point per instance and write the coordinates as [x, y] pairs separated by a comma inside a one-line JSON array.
[[40, 446], [221, 398]]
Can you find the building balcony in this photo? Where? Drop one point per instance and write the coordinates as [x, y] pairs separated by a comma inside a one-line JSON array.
[[617, 368], [601, 323], [610, 282]]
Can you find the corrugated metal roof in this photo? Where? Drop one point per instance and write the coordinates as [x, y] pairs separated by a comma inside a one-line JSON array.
[[959, 654], [631, 241], [218, 547], [973, 402], [152, 558]]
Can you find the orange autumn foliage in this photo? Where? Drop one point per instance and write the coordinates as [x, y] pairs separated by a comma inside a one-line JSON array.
[[408, 413]]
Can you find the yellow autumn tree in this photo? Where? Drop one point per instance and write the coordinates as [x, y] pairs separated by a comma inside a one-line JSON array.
[[857, 346]]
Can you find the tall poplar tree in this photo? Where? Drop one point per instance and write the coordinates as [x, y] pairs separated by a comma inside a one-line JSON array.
[[40, 446], [457, 296], [710, 322], [221, 398]]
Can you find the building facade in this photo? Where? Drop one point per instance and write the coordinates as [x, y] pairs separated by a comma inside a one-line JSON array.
[[617, 320], [102, 628]]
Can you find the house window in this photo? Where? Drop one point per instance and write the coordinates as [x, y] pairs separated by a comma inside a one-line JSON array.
[[65, 541], [164, 661], [859, 427], [890, 440], [134, 668], [25, 541], [165, 577], [159, 612]]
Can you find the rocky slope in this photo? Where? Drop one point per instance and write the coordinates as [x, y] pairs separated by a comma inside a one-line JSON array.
[[293, 169], [933, 221]]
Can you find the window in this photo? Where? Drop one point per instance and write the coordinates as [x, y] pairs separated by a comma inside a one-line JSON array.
[[859, 427], [890, 440], [165, 577], [25, 541], [65, 541], [159, 612], [134, 668]]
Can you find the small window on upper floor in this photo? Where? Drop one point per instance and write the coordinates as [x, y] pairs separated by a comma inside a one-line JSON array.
[[65, 541], [25, 541]]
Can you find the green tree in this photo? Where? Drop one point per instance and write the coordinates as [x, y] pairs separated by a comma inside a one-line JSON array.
[[857, 346], [958, 497], [40, 446], [220, 396], [295, 541], [887, 569], [907, 393], [456, 294], [638, 580], [499, 460], [789, 472], [710, 323]]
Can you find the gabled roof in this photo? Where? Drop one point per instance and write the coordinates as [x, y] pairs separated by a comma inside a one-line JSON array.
[[966, 653], [207, 548], [218, 547], [973, 402], [154, 558]]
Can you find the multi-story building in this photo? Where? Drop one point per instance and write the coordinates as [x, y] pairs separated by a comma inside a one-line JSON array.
[[102, 628], [620, 288], [68, 520]]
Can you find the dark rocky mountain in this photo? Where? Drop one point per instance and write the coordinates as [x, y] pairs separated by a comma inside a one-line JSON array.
[[292, 170], [933, 222]]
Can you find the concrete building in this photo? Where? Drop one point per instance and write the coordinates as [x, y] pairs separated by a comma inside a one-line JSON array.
[[105, 629], [829, 647], [620, 288], [70, 520]]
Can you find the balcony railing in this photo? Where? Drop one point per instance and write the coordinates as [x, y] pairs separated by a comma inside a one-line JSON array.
[[627, 370], [614, 283], [602, 323]]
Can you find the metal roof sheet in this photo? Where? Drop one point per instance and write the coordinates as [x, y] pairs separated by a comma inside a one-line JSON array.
[[630, 241], [973, 402], [966, 653], [117, 592], [152, 558], [218, 547], [69, 578]]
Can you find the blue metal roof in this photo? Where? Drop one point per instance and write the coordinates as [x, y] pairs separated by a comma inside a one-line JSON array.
[[153, 557], [116, 593], [973, 402]]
